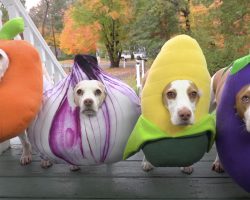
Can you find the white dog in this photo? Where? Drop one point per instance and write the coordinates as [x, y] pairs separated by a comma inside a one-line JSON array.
[[89, 96], [180, 98]]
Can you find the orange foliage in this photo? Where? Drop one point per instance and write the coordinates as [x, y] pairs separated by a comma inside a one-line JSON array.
[[78, 39], [116, 9]]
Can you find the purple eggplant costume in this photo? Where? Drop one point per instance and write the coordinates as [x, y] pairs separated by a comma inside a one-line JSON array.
[[233, 141]]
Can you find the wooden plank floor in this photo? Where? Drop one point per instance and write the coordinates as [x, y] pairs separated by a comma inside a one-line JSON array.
[[123, 180]]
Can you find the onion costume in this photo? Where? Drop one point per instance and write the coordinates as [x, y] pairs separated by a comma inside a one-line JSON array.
[[233, 141], [64, 135], [20, 82], [164, 144]]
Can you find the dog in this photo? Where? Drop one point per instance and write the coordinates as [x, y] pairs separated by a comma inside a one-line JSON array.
[[242, 104], [180, 98], [88, 96]]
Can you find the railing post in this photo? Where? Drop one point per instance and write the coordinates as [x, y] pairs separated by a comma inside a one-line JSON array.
[[138, 76], [4, 145]]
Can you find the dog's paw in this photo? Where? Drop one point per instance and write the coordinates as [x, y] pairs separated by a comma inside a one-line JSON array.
[[187, 170], [26, 159], [74, 168], [147, 166], [45, 164], [217, 166]]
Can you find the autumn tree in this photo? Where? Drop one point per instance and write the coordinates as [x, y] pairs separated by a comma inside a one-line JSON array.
[[112, 16], [48, 17], [76, 39]]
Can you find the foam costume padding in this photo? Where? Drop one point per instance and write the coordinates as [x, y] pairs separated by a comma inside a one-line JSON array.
[[63, 134], [232, 140], [21, 85], [164, 144]]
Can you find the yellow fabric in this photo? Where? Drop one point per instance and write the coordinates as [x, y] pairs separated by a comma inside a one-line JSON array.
[[181, 58]]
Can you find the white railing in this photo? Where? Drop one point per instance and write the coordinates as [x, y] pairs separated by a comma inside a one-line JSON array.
[[140, 71], [31, 34]]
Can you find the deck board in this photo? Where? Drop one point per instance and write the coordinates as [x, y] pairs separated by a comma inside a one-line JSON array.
[[123, 180]]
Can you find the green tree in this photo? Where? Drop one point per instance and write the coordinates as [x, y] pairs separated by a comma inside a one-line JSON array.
[[223, 31], [156, 22], [112, 17]]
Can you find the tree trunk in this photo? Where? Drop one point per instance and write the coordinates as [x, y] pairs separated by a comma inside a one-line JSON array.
[[45, 17], [54, 38], [114, 60], [112, 44]]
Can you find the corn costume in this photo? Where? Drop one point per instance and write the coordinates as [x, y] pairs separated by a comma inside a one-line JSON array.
[[164, 144]]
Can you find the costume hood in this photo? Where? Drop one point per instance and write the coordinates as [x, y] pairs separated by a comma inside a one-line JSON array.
[[180, 58]]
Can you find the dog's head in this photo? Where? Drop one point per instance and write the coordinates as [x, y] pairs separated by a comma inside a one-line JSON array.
[[243, 105], [180, 97], [89, 96]]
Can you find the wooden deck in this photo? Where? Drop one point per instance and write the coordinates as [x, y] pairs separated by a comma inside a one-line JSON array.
[[123, 180]]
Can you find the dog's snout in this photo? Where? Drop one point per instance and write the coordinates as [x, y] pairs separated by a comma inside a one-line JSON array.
[[88, 102], [185, 114]]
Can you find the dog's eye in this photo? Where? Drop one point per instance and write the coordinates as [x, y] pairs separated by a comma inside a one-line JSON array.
[[245, 99], [79, 92], [98, 92], [193, 94], [171, 95]]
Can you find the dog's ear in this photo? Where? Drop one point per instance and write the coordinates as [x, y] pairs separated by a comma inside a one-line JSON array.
[[75, 96], [101, 85]]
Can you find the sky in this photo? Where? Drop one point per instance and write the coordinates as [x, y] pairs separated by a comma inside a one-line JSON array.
[[31, 3]]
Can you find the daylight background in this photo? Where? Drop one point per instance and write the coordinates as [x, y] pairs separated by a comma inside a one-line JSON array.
[[124, 28]]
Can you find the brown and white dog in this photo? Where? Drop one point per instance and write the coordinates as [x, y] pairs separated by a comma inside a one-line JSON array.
[[89, 96], [180, 98], [242, 104]]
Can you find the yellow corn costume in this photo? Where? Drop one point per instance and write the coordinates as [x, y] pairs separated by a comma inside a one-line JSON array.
[[181, 58]]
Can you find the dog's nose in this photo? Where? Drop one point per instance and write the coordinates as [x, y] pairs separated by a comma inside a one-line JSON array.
[[184, 114], [88, 102]]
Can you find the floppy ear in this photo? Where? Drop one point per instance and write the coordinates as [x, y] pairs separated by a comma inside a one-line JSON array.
[[103, 89], [76, 98]]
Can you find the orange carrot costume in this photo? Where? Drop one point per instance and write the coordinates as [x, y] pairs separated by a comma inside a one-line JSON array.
[[21, 85]]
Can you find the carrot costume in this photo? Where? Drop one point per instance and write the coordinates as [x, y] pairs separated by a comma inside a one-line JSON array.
[[21, 84]]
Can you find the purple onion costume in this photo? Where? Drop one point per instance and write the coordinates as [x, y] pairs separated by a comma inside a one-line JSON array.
[[233, 141], [64, 135]]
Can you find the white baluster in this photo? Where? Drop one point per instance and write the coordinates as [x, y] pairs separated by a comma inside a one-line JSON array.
[[4, 145]]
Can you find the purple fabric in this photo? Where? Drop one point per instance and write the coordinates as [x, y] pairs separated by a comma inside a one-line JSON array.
[[233, 141], [62, 134]]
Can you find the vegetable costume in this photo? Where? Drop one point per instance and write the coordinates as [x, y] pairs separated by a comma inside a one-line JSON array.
[[164, 144], [21, 84], [233, 141], [65, 135]]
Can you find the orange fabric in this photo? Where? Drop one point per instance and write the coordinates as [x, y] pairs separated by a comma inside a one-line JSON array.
[[20, 88]]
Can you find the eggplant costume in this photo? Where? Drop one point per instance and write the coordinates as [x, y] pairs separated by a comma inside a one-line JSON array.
[[164, 144], [63, 134], [233, 141]]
